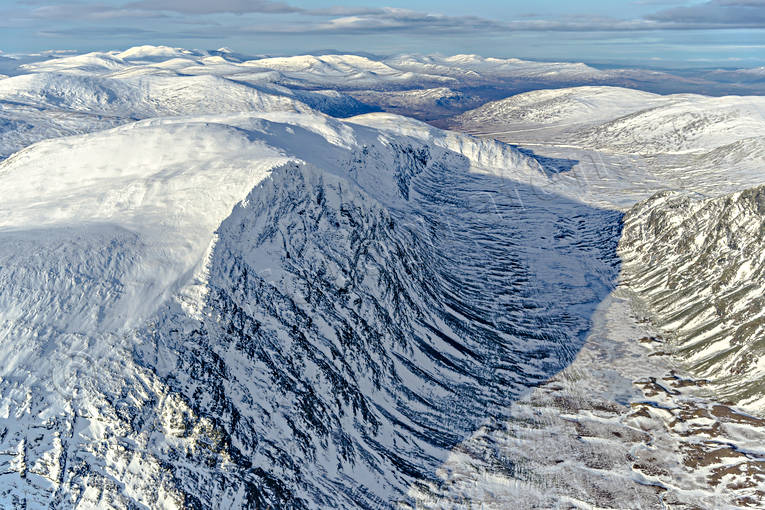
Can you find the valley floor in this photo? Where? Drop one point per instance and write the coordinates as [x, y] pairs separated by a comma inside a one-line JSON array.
[[621, 427], [628, 424]]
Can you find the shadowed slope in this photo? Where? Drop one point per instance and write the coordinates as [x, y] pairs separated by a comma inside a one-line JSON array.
[[360, 312]]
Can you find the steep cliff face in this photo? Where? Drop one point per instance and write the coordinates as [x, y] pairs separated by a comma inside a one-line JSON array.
[[371, 299], [345, 348], [698, 267]]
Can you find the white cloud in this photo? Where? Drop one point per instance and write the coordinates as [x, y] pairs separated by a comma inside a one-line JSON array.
[[214, 6], [728, 13]]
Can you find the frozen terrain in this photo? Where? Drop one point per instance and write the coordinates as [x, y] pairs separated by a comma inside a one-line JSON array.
[[426, 87], [691, 264], [232, 282], [618, 146]]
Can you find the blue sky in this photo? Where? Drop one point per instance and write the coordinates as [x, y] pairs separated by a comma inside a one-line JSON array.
[[657, 33]]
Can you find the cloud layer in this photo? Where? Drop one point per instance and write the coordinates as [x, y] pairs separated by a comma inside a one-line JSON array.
[[652, 30], [724, 13], [215, 6], [712, 14]]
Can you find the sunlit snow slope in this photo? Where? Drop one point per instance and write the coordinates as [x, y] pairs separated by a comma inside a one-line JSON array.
[[698, 264]]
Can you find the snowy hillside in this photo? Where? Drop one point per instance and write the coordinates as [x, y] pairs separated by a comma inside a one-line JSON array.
[[44, 105], [139, 98], [623, 145], [405, 84], [548, 113], [693, 124], [697, 265], [690, 274], [616, 119], [421, 103], [228, 282], [144, 276]]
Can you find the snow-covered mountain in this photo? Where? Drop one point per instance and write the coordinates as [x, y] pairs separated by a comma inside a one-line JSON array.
[[139, 98], [420, 103], [615, 119], [42, 105], [404, 84], [623, 145], [214, 294], [698, 267], [690, 272], [291, 308], [693, 124], [556, 113]]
